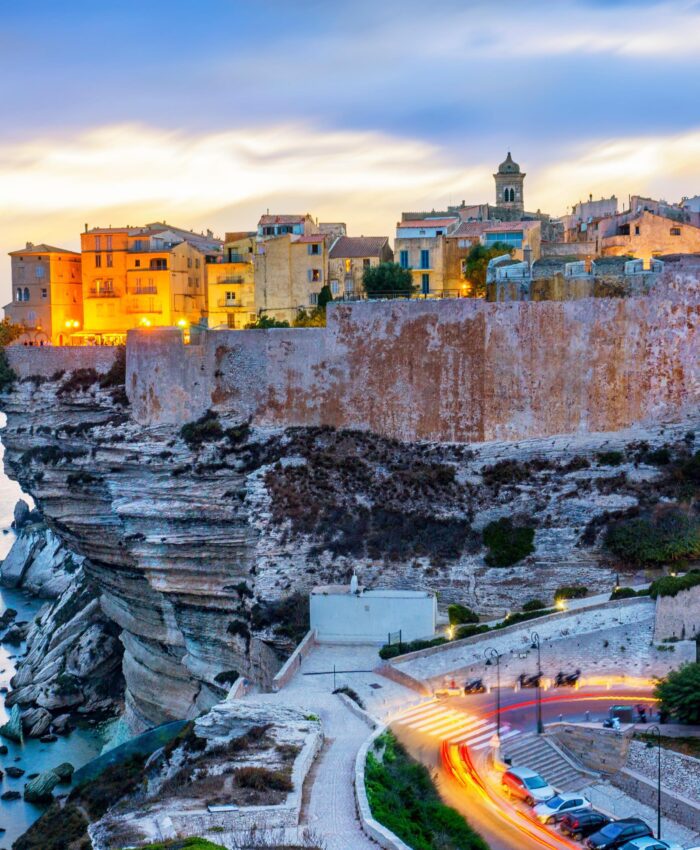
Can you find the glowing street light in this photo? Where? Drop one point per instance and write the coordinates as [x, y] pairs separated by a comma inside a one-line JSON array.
[[491, 656]]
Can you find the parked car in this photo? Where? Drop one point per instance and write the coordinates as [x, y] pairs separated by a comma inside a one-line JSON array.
[[650, 844], [555, 809], [617, 833], [475, 686], [526, 784], [580, 825]]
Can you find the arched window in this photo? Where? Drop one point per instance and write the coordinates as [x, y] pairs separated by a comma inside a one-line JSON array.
[[26, 293], [512, 195], [19, 293], [506, 195]]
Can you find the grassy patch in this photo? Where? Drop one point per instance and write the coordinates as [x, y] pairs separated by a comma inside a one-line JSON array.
[[671, 536], [673, 585], [570, 591], [686, 746], [507, 543], [206, 429], [184, 844], [402, 797]]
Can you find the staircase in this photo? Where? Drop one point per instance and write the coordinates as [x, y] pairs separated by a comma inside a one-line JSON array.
[[539, 753]]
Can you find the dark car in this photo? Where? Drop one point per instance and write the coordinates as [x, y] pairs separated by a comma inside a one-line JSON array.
[[617, 833], [581, 824]]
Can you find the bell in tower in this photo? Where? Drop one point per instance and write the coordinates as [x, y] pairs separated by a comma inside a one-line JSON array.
[[509, 185]]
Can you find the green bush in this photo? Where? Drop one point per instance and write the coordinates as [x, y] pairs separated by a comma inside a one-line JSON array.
[[264, 322], [691, 469], [7, 373], [623, 593], [523, 617], [679, 694], [612, 458], [658, 457], [672, 536], [673, 585], [507, 543], [534, 605], [58, 828], [391, 650], [459, 614], [573, 591], [352, 694], [262, 779], [206, 429], [470, 631], [183, 844], [403, 798]]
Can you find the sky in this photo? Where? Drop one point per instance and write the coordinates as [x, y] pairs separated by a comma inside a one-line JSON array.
[[207, 114]]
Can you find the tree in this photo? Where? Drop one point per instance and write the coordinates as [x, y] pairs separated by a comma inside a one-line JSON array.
[[264, 322], [9, 332], [325, 296], [388, 280], [315, 318], [679, 693], [478, 261]]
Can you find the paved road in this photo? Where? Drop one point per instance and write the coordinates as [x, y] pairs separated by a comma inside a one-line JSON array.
[[468, 724]]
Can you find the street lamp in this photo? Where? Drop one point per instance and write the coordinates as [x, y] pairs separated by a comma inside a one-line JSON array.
[[535, 644], [493, 655], [654, 730]]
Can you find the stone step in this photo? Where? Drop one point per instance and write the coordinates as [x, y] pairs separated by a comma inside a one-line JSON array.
[[539, 754]]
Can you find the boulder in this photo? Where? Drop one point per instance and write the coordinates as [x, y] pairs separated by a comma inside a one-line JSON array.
[[35, 722], [19, 558], [10, 795], [64, 771], [14, 772], [12, 730], [16, 634], [39, 790], [62, 724], [7, 617], [22, 514]]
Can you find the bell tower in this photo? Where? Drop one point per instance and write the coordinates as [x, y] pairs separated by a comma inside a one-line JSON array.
[[509, 185]]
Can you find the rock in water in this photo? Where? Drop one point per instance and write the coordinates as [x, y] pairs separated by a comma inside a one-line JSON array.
[[14, 772], [21, 514], [12, 730], [16, 634], [7, 617], [35, 722], [10, 795], [64, 771], [39, 789]]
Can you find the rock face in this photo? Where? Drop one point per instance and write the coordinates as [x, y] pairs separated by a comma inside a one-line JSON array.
[[196, 542], [12, 730], [40, 790]]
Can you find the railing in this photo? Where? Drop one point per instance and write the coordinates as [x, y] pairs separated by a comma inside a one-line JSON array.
[[239, 258], [97, 292], [229, 302], [143, 290], [133, 307], [132, 249], [231, 279]]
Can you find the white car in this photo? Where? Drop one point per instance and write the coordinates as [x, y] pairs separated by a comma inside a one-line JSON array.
[[558, 806], [649, 843]]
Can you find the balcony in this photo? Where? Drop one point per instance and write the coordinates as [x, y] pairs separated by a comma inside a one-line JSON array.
[[134, 306], [148, 249], [143, 290], [102, 292], [229, 302], [231, 279]]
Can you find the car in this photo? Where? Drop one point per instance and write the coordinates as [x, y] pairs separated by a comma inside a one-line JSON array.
[[526, 784], [553, 810], [617, 833], [583, 823], [650, 843]]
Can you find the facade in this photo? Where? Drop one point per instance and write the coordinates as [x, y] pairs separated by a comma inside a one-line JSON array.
[[510, 185], [47, 294], [271, 226], [349, 257], [420, 247], [231, 283], [142, 277], [645, 235]]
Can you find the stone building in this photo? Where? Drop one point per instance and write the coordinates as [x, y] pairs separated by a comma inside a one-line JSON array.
[[349, 257], [420, 247], [645, 235], [47, 294], [143, 277], [231, 283], [510, 185]]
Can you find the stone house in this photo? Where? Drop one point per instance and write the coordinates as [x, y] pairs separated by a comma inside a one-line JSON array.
[[231, 283], [645, 235], [47, 294], [349, 257], [420, 247]]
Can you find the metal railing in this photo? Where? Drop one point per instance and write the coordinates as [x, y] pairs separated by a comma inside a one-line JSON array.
[[231, 279], [134, 307], [143, 290], [148, 249], [98, 292], [229, 302]]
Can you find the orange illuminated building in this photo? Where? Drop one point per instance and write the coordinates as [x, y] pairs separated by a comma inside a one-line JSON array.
[[143, 276]]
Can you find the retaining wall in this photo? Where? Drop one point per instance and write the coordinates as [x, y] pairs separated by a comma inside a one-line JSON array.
[[47, 360]]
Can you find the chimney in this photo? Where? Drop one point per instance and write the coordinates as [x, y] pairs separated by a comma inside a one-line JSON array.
[[86, 227], [30, 245]]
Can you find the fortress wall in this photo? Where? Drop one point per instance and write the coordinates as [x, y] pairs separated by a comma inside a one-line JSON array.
[[47, 360], [460, 370]]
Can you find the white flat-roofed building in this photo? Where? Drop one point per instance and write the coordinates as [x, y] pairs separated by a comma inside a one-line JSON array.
[[343, 614]]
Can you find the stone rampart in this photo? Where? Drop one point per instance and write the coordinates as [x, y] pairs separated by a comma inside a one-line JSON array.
[[678, 616], [27, 361], [452, 370]]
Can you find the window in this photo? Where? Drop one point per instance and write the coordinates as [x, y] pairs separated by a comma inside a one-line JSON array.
[[366, 263], [196, 263], [315, 275], [98, 243], [189, 262], [313, 299], [637, 230], [44, 293], [18, 294], [98, 261], [425, 259], [425, 284], [109, 243], [675, 231], [26, 294], [39, 272], [314, 248], [109, 261], [514, 238], [348, 266], [159, 264], [439, 232], [335, 287], [403, 259]]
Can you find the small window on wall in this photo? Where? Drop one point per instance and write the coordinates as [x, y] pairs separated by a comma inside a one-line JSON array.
[[98, 261], [44, 293], [314, 275], [314, 248], [348, 266], [39, 271], [637, 230], [109, 261], [313, 299], [675, 231], [335, 287], [137, 263], [366, 263], [26, 294], [18, 294]]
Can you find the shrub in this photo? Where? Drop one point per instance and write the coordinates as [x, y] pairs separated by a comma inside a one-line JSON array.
[[7, 373], [523, 617], [679, 694], [623, 593], [673, 585], [612, 458], [391, 650], [50, 455], [264, 322], [470, 631], [691, 469], [571, 591], [58, 828], [226, 677], [116, 374], [262, 779], [507, 543], [388, 280], [206, 429], [658, 457], [506, 472], [534, 605], [459, 614], [352, 694], [79, 381], [671, 536]]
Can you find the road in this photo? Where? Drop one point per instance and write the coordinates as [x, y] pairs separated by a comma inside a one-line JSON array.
[[452, 737]]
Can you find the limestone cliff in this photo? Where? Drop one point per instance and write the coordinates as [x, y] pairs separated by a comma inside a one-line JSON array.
[[199, 540]]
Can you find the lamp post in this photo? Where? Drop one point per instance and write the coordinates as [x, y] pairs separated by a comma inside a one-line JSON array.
[[654, 730], [535, 644], [493, 655]]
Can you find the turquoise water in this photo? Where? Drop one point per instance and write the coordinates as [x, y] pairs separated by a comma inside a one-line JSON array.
[[79, 747]]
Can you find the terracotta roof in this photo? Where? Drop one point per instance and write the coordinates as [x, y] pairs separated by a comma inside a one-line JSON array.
[[348, 247], [281, 219], [43, 248], [235, 235], [476, 228], [311, 237], [428, 222]]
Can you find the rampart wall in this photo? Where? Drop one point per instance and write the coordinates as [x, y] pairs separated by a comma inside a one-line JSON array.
[[451, 370], [47, 360]]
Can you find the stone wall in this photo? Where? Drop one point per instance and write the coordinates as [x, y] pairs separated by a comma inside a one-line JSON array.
[[453, 370], [678, 616], [604, 750], [46, 361]]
